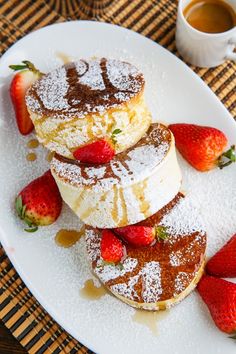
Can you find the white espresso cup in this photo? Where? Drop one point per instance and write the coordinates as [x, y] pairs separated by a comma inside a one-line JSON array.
[[204, 49]]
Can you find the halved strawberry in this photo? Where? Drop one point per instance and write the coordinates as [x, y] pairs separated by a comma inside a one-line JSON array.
[[100, 151], [39, 203], [137, 235], [203, 147], [220, 297], [112, 249], [19, 85], [223, 263]]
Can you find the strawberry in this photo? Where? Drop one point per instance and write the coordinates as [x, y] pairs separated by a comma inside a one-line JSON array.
[[112, 249], [100, 151], [137, 235], [220, 297], [39, 203], [19, 85], [223, 263], [202, 146]]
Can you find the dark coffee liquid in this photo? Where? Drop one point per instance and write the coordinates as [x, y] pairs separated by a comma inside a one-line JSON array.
[[210, 16]]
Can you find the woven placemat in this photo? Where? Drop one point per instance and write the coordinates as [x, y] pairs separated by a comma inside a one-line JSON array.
[[19, 310]]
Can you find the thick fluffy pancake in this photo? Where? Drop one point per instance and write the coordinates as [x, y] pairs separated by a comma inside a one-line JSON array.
[[158, 276], [134, 185], [83, 101]]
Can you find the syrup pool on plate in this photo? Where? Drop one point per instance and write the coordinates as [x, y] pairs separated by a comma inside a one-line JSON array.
[[149, 318], [67, 238], [31, 156], [33, 144], [92, 292], [64, 57], [49, 156]]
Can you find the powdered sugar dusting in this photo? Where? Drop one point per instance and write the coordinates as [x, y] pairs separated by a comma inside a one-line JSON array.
[[81, 67], [183, 219], [147, 273], [52, 90], [93, 245], [119, 74], [175, 258], [151, 275], [127, 290], [180, 282], [93, 77], [148, 156], [136, 164], [95, 173], [123, 81], [109, 272]]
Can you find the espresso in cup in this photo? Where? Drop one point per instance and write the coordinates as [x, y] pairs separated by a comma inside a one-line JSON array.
[[210, 16]]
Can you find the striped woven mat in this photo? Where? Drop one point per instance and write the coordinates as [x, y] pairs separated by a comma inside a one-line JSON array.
[[19, 310]]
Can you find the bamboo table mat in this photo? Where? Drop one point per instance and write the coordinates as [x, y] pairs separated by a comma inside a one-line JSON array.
[[19, 310]]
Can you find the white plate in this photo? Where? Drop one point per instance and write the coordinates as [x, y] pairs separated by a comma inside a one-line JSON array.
[[55, 275]]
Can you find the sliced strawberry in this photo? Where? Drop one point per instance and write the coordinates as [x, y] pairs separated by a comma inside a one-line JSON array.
[[220, 297], [203, 147], [19, 85], [112, 249], [223, 263], [101, 151], [138, 236], [40, 202]]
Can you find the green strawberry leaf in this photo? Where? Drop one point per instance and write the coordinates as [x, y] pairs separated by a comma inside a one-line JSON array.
[[26, 65], [18, 67], [32, 229], [120, 265], [28, 222], [113, 264], [114, 133], [161, 233], [21, 209], [19, 206], [227, 157], [233, 336]]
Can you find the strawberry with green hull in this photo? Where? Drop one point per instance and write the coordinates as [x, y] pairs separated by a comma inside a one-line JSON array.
[[112, 249], [220, 297], [98, 152], [203, 147], [39, 203], [26, 76], [223, 263], [140, 236]]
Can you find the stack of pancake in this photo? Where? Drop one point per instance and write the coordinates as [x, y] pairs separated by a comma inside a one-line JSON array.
[[82, 102]]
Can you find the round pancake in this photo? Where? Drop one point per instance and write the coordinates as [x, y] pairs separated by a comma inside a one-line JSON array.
[[134, 185], [86, 100], [157, 276]]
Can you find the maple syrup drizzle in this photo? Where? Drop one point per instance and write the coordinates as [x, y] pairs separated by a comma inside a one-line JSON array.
[[31, 157], [92, 292], [50, 155], [65, 58], [78, 201], [33, 144], [67, 238], [124, 220], [114, 211], [138, 191], [149, 318]]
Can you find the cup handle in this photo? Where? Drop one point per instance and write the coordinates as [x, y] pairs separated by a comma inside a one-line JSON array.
[[231, 55]]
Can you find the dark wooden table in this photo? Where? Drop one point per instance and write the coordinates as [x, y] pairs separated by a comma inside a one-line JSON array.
[[8, 344]]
